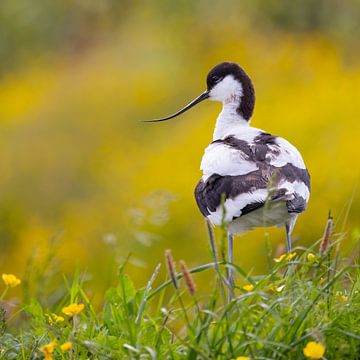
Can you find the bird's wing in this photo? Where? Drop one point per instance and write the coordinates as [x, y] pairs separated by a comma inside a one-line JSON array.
[[248, 173]]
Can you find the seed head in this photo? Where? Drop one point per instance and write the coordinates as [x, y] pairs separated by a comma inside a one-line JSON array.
[[326, 240], [189, 281], [171, 267]]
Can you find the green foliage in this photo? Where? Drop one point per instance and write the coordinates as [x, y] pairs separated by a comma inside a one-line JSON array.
[[35, 310], [2, 321], [78, 166], [55, 26], [308, 296]]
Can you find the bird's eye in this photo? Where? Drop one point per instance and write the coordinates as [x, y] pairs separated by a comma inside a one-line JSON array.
[[217, 79]]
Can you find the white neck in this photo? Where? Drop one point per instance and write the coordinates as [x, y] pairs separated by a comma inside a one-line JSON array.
[[229, 120]]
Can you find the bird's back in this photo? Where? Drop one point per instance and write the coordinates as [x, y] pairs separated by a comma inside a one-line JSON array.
[[259, 179]]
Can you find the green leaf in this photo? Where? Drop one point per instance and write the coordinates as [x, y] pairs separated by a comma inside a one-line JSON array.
[[35, 310], [127, 286]]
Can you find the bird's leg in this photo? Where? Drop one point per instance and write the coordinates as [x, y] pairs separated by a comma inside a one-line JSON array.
[[288, 229], [230, 269], [288, 237]]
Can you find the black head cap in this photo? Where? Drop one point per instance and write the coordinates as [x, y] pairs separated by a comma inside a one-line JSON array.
[[220, 71]]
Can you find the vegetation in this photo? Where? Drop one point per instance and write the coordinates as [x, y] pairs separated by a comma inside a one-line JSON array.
[[78, 167], [54, 27], [306, 306]]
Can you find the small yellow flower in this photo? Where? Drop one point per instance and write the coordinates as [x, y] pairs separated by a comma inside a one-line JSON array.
[[11, 280], [248, 287], [314, 350], [73, 309], [57, 318], [53, 318], [242, 358], [342, 298], [285, 257], [48, 349], [311, 257], [66, 346], [50, 320], [280, 288]]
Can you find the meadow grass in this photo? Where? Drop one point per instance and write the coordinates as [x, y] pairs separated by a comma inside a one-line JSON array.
[[310, 295]]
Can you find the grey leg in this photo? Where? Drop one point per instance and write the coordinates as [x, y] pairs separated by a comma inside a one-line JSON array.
[[288, 237], [288, 229], [230, 270]]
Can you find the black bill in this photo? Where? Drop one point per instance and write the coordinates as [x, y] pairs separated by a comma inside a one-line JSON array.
[[200, 98]]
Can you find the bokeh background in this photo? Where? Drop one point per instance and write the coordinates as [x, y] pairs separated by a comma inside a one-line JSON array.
[[83, 183]]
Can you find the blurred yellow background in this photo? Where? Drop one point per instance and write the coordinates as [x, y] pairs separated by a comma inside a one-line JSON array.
[[78, 169]]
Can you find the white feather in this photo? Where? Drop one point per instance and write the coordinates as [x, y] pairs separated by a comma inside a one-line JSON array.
[[224, 160], [288, 154], [226, 90]]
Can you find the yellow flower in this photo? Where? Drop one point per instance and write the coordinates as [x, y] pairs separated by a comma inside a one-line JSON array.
[[314, 350], [248, 287], [342, 298], [280, 288], [48, 349], [311, 257], [72, 309], [285, 257], [66, 346], [57, 318], [53, 318], [242, 358], [11, 280]]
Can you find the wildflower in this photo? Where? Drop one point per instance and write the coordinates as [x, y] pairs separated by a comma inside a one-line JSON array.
[[311, 257], [53, 318], [286, 257], [248, 287], [188, 278], [57, 318], [73, 309], [314, 350], [171, 267], [48, 349], [11, 280], [342, 298], [280, 288], [242, 358], [66, 346]]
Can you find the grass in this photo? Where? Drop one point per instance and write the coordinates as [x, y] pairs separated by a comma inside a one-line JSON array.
[[312, 297]]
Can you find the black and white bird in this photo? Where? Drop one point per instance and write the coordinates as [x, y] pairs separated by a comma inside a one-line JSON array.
[[250, 178]]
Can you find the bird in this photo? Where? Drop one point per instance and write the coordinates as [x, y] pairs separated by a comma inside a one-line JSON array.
[[250, 178]]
